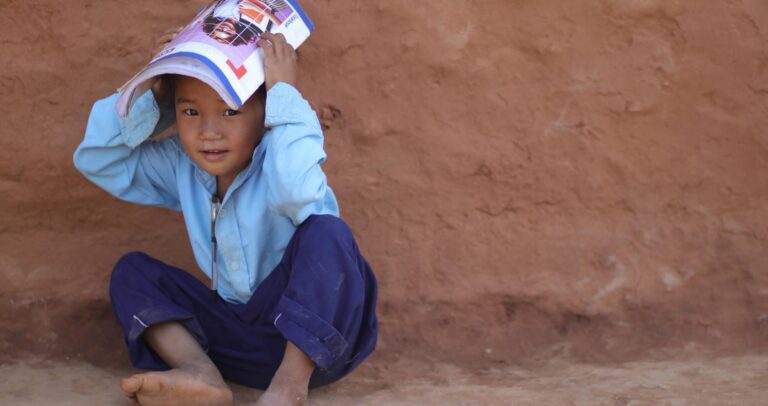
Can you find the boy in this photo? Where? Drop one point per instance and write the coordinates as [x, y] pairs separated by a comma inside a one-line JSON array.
[[294, 300]]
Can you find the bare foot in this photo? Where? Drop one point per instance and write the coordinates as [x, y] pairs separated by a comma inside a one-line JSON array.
[[188, 385], [284, 392]]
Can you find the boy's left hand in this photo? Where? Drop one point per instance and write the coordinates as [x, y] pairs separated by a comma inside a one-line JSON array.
[[279, 60]]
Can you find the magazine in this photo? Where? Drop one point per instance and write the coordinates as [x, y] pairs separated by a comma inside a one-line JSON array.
[[220, 48]]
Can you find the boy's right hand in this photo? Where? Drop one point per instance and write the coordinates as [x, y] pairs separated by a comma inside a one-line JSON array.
[[159, 88]]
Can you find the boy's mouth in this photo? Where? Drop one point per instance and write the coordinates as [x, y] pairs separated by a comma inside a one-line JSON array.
[[213, 155]]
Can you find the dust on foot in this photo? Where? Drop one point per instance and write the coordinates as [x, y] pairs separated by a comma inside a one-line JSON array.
[[284, 392], [177, 387]]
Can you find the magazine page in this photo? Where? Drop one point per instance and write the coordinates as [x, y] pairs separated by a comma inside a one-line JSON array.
[[220, 47]]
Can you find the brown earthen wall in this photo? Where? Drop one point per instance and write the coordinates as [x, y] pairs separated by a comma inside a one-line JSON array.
[[525, 176]]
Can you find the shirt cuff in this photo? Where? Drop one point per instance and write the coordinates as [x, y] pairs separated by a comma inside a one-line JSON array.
[[286, 105], [141, 120]]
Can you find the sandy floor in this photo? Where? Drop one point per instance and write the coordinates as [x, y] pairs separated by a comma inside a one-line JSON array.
[[741, 381]]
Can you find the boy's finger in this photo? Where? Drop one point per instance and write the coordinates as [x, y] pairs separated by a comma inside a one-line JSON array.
[[277, 39], [169, 34], [282, 47], [278, 45], [280, 38], [268, 38], [264, 43], [268, 47], [164, 39], [174, 31], [290, 53]]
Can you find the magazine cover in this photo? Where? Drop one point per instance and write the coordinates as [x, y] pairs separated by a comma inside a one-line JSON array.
[[219, 47]]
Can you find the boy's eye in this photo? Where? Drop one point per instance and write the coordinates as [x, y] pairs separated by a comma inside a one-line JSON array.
[[189, 112], [230, 112]]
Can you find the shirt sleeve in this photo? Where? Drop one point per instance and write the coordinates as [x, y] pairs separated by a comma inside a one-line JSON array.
[[294, 152], [116, 156]]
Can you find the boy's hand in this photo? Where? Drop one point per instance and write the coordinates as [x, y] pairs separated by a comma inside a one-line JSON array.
[[164, 39], [279, 60], [159, 88]]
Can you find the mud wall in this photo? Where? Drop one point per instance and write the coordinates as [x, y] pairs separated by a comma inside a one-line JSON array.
[[526, 177]]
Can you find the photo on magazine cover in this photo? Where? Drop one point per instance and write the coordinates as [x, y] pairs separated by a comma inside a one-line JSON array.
[[239, 22], [227, 25]]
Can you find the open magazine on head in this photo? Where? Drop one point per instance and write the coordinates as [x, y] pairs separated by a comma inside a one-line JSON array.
[[219, 47]]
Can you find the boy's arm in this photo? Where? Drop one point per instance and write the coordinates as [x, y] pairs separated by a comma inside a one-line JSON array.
[[294, 142], [294, 152], [114, 156]]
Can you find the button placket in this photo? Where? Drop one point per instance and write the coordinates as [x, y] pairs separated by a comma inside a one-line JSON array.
[[234, 254]]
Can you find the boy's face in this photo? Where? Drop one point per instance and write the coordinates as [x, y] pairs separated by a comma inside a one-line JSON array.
[[218, 139]]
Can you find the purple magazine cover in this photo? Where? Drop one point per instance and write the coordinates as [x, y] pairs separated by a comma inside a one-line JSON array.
[[233, 28]]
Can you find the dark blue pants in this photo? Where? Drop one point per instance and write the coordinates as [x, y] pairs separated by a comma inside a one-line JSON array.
[[321, 297]]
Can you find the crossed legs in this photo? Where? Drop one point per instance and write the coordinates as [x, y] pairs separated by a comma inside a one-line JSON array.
[[308, 324], [195, 380]]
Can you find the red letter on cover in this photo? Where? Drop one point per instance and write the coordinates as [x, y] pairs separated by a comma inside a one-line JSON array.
[[239, 71]]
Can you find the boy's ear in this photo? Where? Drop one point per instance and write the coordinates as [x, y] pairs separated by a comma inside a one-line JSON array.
[[166, 126], [164, 89]]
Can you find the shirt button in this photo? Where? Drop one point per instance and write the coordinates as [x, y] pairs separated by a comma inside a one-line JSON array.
[[235, 266]]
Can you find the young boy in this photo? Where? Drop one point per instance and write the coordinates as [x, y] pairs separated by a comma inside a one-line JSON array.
[[294, 301]]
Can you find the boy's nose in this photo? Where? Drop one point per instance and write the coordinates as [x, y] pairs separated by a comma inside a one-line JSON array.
[[210, 129]]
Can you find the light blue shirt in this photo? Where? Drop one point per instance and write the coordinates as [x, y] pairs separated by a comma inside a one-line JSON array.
[[281, 187]]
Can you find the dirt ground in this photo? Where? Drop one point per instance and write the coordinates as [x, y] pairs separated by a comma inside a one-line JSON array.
[[715, 381]]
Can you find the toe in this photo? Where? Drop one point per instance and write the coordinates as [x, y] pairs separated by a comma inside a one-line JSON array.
[[152, 384], [131, 385]]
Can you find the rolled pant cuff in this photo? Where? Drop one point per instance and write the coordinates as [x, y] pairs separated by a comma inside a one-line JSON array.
[[322, 343], [153, 316]]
